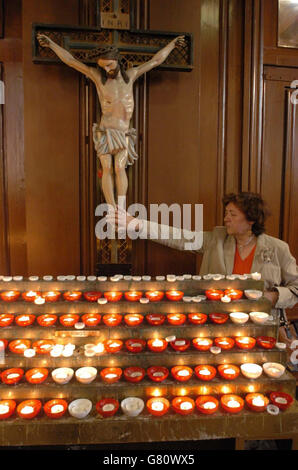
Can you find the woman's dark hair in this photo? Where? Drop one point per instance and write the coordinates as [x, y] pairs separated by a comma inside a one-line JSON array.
[[253, 206]]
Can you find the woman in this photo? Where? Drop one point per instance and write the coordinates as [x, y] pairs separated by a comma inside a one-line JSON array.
[[240, 247]]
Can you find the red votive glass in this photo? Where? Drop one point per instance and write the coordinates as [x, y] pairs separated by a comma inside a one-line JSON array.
[[113, 345], [43, 346], [10, 295], [72, 296], [231, 403], [234, 294], [133, 296], [224, 343], [51, 296], [154, 296], [157, 373], [112, 319], [30, 295], [157, 344], [155, 319], [49, 319], [113, 296], [92, 296], [134, 374], [174, 295], [158, 406], [135, 345], [228, 371], [281, 400], [37, 375], [183, 405], [219, 318], [180, 344], [197, 318], [133, 319], [107, 407], [266, 342], [256, 401], [6, 319], [176, 318], [245, 342], [91, 319], [55, 408], [207, 404], [28, 409], [205, 372], [7, 408], [202, 344], [18, 346], [111, 375], [12, 376], [25, 319], [181, 373], [214, 294], [69, 320]]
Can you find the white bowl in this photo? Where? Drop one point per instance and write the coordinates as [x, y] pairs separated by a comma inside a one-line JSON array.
[[62, 375], [86, 375], [259, 317], [132, 406], [251, 371], [273, 369], [239, 317], [80, 408], [253, 294]]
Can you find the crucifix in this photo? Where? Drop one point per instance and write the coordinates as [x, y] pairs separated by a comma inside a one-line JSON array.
[[122, 54]]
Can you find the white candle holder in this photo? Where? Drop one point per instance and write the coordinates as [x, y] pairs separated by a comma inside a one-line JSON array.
[[132, 406], [80, 408], [273, 369], [62, 375]]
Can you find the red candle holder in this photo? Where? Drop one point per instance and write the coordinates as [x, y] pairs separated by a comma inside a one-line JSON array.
[[55, 408], [155, 319], [228, 371], [176, 318], [266, 342], [43, 346], [281, 400], [231, 403], [72, 296], [158, 406], [219, 318], [107, 407], [180, 344], [12, 376], [174, 295], [135, 345], [18, 346], [157, 373], [256, 401], [30, 296], [234, 294], [91, 319], [28, 409], [207, 404], [113, 345], [49, 319], [133, 319], [183, 405], [7, 408], [10, 295], [224, 343], [25, 319], [51, 296], [197, 318], [182, 373], [214, 294], [205, 372], [202, 344], [157, 344], [112, 319], [37, 375], [6, 319], [134, 374], [133, 296], [92, 296], [154, 296], [245, 342], [111, 375], [113, 296], [69, 320]]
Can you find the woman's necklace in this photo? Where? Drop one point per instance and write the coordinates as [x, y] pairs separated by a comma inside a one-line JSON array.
[[240, 247]]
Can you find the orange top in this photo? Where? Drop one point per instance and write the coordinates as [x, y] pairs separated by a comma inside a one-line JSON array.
[[243, 266]]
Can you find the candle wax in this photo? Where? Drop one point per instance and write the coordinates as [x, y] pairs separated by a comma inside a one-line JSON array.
[[4, 409], [185, 405], [258, 401], [233, 404], [157, 406], [209, 405], [108, 407], [57, 409]]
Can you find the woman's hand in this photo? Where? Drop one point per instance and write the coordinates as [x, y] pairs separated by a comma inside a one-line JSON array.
[[271, 295]]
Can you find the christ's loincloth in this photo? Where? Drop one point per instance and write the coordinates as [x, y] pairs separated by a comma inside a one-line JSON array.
[[111, 141]]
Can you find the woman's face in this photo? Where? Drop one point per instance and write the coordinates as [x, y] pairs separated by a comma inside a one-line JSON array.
[[235, 220]]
